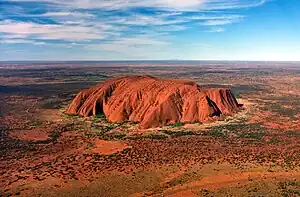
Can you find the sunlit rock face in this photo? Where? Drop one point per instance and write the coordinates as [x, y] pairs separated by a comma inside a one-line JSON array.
[[153, 102]]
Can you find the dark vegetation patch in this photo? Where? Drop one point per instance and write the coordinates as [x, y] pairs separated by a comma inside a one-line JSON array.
[[289, 188], [239, 90], [218, 133], [285, 188], [8, 144], [148, 136], [279, 109], [274, 140], [100, 116], [33, 124], [70, 116], [279, 106], [247, 89], [156, 137], [186, 177], [177, 133], [289, 161], [46, 90], [177, 124], [104, 130], [54, 135], [241, 130], [51, 74], [292, 133], [252, 135], [53, 103]]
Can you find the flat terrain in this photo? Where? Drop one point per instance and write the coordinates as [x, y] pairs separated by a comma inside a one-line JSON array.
[[45, 152]]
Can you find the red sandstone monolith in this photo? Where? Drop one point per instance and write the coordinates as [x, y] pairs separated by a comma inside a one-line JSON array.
[[153, 102]]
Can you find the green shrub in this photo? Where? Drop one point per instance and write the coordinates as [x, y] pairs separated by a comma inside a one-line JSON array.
[[119, 135], [177, 124], [217, 133], [252, 135], [292, 133], [100, 115], [274, 140], [156, 137], [177, 133], [54, 135]]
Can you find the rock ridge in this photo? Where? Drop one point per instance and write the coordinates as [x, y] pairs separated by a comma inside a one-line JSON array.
[[153, 102]]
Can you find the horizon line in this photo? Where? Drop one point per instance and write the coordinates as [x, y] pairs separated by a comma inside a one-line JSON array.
[[140, 60]]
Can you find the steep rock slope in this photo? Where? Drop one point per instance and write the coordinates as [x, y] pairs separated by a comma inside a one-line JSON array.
[[153, 102]]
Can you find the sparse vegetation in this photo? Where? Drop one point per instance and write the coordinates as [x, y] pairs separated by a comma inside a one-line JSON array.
[[101, 129], [71, 116], [177, 133], [119, 135], [177, 124], [100, 116], [73, 175], [252, 135], [288, 161], [241, 130], [54, 135], [289, 188], [35, 123], [274, 140], [237, 94], [218, 133], [156, 137], [292, 133], [267, 134]]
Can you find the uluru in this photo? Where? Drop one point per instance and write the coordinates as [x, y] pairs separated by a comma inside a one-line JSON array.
[[153, 102]]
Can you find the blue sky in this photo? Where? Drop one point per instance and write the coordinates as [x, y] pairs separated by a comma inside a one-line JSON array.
[[150, 30]]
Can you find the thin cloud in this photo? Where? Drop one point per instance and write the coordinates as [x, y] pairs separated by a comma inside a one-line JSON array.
[[217, 22], [216, 30], [142, 20], [65, 14], [128, 42], [216, 17], [108, 21], [235, 4], [49, 31], [179, 5], [21, 41], [130, 46]]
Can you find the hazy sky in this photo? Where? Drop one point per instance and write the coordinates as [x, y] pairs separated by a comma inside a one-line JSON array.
[[150, 29]]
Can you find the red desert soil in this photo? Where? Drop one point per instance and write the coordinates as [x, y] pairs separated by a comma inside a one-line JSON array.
[[109, 147], [184, 193], [225, 181], [153, 102], [219, 181], [33, 135]]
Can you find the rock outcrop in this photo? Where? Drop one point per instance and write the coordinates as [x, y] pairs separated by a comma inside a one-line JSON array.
[[153, 102]]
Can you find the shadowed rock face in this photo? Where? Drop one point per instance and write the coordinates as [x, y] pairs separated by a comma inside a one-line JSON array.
[[153, 102]]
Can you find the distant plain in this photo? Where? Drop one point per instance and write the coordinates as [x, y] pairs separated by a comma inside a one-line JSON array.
[[45, 152]]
